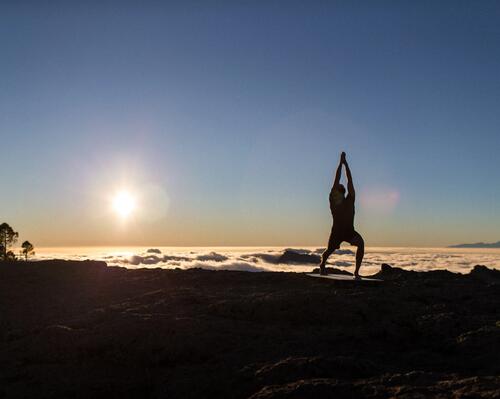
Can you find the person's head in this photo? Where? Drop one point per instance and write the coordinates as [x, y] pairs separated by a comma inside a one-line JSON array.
[[339, 194], [341, 189]]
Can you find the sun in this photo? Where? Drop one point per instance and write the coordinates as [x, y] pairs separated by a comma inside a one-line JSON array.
[[124, 204]]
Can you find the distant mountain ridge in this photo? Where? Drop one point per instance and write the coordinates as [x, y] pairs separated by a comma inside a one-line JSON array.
[[477, 245]]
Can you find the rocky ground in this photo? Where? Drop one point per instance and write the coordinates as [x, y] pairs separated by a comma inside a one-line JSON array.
[[82, 330]]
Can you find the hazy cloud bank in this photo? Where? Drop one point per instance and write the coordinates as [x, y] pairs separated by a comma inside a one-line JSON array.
[[286, 259]]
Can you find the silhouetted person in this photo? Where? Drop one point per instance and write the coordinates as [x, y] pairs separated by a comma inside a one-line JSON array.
[[342, 208]]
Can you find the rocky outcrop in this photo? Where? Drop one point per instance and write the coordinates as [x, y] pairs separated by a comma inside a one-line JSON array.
[[333, 270], [481, 272]]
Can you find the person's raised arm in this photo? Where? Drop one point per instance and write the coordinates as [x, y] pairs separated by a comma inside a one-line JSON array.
[[339, 172], [350, 185]]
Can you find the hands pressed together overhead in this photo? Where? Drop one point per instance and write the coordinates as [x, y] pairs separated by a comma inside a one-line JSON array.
[[342, 158]]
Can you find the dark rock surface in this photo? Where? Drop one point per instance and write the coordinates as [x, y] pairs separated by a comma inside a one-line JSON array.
[[83, 330]]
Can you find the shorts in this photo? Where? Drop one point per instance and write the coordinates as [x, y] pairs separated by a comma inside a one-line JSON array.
[[339, 236]]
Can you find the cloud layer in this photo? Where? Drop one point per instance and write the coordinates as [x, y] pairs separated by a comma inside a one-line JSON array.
[[284, 259]]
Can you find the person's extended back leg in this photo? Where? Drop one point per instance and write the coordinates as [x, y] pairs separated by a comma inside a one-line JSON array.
[[324, 258], [332, 246], [358, 242]]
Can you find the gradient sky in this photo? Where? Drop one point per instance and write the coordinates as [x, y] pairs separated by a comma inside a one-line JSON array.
[[226, 120]]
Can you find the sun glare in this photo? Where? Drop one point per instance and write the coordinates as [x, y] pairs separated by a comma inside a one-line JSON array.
[[124, 204]]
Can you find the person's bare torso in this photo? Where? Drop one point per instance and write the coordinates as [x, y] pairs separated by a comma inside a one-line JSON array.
[[343, 214]]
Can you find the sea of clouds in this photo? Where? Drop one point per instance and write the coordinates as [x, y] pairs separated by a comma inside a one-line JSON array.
[[281, 259]]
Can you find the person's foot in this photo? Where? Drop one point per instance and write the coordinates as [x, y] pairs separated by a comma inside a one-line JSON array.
[[357, 277], [322, 271]]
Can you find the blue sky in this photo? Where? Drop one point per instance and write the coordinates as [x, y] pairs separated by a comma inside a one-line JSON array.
[[234, 113]]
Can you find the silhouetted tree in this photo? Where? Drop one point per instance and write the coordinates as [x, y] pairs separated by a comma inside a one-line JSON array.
[[8, 237], [27, 249]]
